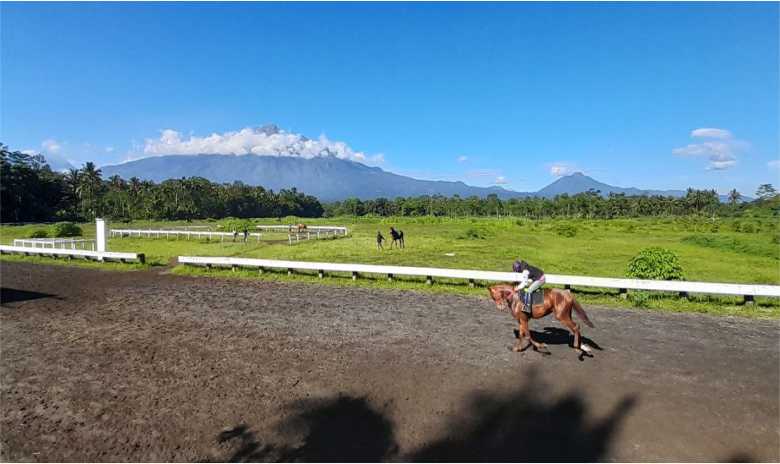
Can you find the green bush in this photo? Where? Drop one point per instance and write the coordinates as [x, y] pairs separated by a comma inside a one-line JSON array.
[[655, 263], [639, 298], [715, 228], [748, 228], [472, 234], [40, 233], [67, 229], [736, 226], [566, 230]]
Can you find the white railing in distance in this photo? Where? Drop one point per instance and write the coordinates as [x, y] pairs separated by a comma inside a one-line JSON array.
[[99, 255], [493, 276], [160, 233]]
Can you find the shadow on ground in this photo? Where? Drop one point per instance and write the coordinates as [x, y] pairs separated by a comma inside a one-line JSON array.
[[12, 295], [558, 336], [524, 425]]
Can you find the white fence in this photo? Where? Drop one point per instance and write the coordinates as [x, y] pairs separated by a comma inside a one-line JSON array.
[[160, 233], [295, 235], [336, 230], [86, 254], [62, 243], [746, 290]]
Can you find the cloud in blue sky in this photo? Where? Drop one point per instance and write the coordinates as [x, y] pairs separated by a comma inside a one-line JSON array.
[[721, 148], [560, 169], [262, 141]]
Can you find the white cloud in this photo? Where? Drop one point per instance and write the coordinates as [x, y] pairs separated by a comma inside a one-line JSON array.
[[109, 149], [501, 180], [722, 152], [462, 159], [711, 133], [51, 146], [561, 169], [774, 164], [30, 152], [263, 141]]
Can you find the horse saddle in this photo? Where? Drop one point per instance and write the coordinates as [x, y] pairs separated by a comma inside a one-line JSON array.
[[537, 297]]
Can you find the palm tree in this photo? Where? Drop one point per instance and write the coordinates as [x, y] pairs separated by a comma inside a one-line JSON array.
[[88, 187], [734, 197]]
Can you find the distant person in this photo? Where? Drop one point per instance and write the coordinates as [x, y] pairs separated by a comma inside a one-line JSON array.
[[533, 278], [235, 235], [246, 234], [379, 240]]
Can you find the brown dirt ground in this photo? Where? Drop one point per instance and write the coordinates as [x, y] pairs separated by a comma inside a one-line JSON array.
[[147, 366]]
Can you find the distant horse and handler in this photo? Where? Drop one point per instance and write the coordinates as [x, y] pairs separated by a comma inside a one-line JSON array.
[[398, 238]]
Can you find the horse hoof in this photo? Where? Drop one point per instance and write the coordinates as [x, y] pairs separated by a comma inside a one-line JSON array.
[[585, 348]]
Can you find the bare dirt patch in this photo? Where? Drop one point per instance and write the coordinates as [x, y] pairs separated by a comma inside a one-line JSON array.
[[144, 366]]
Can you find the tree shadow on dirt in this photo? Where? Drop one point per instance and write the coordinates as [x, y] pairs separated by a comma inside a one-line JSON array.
[[342, 428], [524, 425], [12, 295]]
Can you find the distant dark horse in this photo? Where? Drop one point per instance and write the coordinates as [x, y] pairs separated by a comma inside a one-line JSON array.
[[398, 238]]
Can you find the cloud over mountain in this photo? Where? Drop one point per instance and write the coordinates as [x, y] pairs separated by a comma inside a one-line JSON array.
[[262, 141], [721, 149]]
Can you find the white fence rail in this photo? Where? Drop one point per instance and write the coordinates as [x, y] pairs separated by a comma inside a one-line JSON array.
[[337, 230], [64, 243], [167, 233], [747, 290], [86, 254]]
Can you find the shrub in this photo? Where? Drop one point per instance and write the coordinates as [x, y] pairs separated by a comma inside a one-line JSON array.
[[566, 230], [629, 228], [40, 233], [748, 228], [715, 228], [472, 234], [736, 226], [67, 229], [639, 298], [655, 263]]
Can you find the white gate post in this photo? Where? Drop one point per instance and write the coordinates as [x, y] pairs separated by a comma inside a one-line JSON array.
[[100, 234]]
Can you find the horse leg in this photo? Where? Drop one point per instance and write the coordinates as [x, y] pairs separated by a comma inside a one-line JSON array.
[[523, 333], [525, 329], [575, 329]]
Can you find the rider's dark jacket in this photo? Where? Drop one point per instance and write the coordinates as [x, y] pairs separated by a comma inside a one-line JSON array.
[[533, 272]]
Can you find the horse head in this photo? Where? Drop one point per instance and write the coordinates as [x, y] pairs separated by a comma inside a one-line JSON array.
[[502, 295]]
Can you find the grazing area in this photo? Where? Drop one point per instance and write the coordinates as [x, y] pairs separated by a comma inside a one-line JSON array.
[[711, 251], [149, 366]]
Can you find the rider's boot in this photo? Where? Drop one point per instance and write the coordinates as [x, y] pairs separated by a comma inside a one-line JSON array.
[[527, 302]]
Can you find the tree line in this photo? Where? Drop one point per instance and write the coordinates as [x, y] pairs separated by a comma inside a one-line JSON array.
[[31, 192], [591, 205]]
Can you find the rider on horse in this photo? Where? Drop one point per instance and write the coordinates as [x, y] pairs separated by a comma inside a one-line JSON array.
[[533, 279]]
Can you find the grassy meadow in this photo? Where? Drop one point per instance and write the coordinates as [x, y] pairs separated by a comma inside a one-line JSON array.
[[725, 250]]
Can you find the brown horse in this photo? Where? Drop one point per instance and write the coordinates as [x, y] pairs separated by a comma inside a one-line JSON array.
[[558, 302], [298, 228]]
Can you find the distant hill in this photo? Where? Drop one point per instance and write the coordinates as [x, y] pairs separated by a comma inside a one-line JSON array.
[[579, 182], [327, 177], [330, 178]]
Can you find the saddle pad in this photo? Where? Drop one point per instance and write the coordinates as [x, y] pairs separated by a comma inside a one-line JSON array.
[[537, 297]]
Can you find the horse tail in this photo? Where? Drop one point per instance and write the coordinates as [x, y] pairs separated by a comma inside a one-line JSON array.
[[581, 312]]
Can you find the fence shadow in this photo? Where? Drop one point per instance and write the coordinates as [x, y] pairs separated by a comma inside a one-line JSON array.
[[524, 425], [12, 295]]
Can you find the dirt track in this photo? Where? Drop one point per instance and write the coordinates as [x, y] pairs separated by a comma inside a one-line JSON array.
[[138, 366]]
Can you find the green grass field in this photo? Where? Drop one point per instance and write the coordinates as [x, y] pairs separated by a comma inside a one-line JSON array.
[[708, 251]]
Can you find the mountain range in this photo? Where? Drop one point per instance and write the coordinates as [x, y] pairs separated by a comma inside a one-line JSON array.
[[330, 178]]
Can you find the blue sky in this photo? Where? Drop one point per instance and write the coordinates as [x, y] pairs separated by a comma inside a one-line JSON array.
[[649, 95]]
